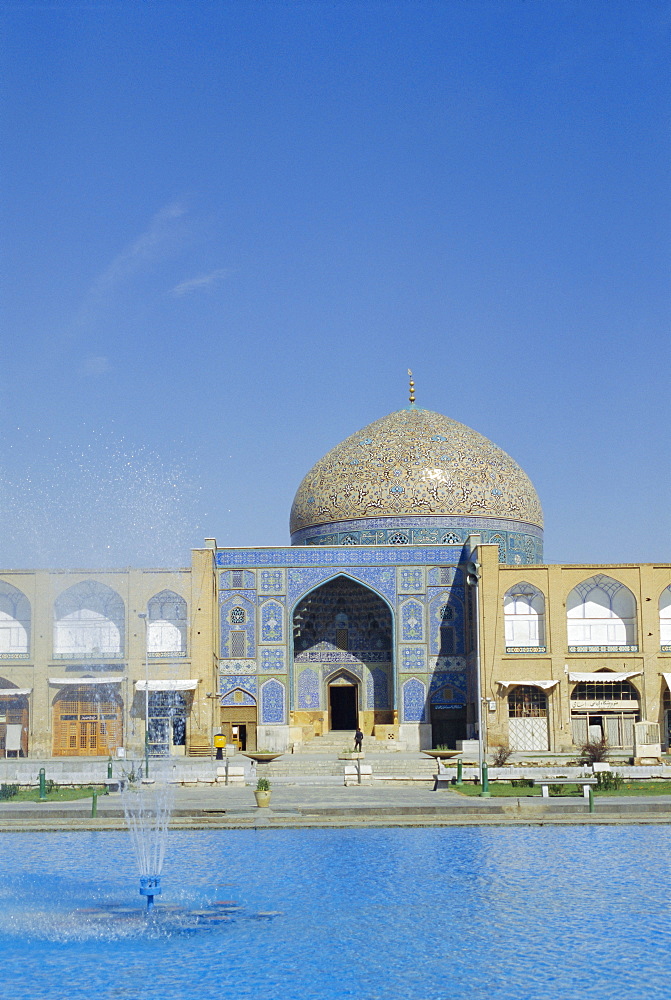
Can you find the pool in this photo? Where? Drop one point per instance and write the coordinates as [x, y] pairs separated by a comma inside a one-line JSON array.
[[395, 914]]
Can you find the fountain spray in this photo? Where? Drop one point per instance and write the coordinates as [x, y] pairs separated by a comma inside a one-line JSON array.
[[147, 810]]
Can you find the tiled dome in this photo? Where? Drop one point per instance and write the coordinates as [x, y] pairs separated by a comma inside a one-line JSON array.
[[415, 463]]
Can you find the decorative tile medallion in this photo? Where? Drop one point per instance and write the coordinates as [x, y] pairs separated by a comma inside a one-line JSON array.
[[413, 659]]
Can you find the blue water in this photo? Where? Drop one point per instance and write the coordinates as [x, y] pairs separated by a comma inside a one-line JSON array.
[[428, 914]]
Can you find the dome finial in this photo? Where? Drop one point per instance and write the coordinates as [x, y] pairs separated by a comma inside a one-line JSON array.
[[412, 388]]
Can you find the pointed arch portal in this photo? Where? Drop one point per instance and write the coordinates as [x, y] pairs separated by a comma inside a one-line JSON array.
[[343, 639]]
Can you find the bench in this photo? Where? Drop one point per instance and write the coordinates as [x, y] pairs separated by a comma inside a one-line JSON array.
[[545, 783]]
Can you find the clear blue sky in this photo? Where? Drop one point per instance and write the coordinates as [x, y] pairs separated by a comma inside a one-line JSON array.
[[229, 228]]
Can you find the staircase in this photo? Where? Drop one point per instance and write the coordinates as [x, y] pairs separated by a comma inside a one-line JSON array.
[[338, 740], [319, 759]]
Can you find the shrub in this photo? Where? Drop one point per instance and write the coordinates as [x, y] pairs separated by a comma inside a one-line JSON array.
[[555, 789], [608, 781], [501, 755], [50, 786], [594, 751], [522, 783], [8, 791], [263, 785]]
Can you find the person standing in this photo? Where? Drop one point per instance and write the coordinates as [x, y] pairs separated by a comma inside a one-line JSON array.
[[358, 740]]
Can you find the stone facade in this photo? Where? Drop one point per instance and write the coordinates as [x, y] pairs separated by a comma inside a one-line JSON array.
[[413, 595]]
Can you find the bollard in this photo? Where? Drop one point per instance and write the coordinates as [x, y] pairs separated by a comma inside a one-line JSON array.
[[460, 771], [43, 785], [485, 793], [94, 804], [591, 800]]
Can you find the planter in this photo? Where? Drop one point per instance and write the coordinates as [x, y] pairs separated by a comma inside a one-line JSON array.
[[351, 756], [443, 754], [262, 799], [260, 757]]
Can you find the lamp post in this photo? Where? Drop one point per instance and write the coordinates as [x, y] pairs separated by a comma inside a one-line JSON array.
[[472, 580], [146, 695]]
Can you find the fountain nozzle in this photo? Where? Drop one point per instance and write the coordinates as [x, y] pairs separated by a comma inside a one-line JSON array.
[[150, 886]]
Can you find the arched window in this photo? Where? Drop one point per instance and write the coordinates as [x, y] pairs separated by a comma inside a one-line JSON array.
[[665, 617], [14, 621], [166, 624], [238, 616], [601, 612], [88, 622], [600, 691], [524, 616]]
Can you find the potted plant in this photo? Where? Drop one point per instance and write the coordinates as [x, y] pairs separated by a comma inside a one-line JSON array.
[[262, 792]]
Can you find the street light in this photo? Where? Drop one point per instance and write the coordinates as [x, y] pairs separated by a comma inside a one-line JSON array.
[[472, 580], [146, 694]]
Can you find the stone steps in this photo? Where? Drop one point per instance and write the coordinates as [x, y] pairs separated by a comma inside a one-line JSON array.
[[337, 740], [385, 765]]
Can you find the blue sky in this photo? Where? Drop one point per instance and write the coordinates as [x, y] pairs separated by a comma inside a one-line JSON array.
[[229, 228]]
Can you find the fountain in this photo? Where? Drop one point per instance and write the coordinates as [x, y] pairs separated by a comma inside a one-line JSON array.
[[147, 809]]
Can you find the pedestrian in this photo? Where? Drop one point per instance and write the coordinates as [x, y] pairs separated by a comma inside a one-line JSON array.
[[358, 740]]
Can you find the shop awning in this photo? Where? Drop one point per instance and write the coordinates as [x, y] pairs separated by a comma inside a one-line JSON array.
[[169, 685], [597, 678], [81, 681], [546, 685], [14, 692]]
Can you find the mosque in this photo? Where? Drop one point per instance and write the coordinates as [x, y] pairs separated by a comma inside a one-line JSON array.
[[413, 601]]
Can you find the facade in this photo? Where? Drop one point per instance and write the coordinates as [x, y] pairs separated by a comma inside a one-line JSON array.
[[413, 601]]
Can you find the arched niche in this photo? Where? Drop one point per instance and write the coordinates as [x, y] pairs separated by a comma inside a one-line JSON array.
[[89, 622], [601, 611], [14, 621], [524, 616], [342, 617], [665, 616], [166, 624]]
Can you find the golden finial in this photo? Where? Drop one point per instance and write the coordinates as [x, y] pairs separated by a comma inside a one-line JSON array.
[[412, 388]]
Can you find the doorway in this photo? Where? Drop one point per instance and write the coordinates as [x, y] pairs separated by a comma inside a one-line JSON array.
[[343, 706]]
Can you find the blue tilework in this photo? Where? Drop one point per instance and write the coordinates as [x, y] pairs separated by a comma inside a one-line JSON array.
[[308, 689], [414, 701], [444, 576], [271, 581], [412, 621], [448, 690], [230, 701], [273, 661], [412, 580], [272, 703], [227, 580], [413, 659], [237, 666], [379, 579], [446, 635], [230, 601], [329, 672], [337, 556], [377, 695], [519, 544], [272, 622], [228, 682]]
